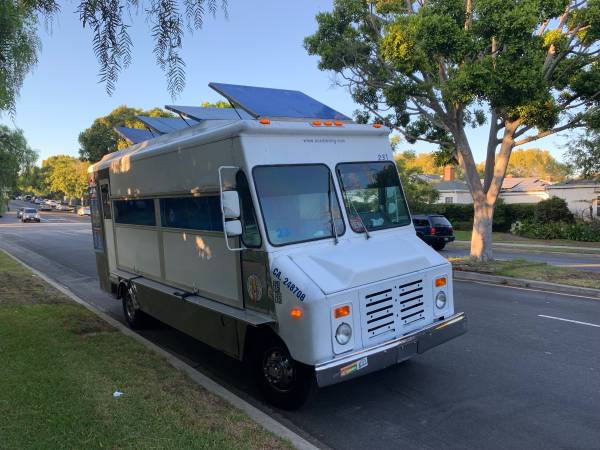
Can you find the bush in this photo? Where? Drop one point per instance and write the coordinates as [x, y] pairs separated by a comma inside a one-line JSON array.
[[553, 210], [461, 216], [578, 231]]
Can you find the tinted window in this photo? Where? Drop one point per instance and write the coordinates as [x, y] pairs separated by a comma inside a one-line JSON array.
[[194, 213], [105, 197], [30, 211], [439, 221], [421, 222], [134, 212], [250, 231]]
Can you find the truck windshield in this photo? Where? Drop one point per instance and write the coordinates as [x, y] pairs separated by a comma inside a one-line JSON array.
[[298, 203], [372, 195]]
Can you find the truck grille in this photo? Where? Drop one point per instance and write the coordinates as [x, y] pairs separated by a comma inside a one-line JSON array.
[[392, 309]]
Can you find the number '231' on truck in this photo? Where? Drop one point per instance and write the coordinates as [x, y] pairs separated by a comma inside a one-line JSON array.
[[284, 241]]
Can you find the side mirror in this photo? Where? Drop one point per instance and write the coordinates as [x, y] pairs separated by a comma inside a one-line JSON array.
[[233, 228], [231, 205]]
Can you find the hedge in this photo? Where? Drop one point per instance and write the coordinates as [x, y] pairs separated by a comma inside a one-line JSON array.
[[461, 215]]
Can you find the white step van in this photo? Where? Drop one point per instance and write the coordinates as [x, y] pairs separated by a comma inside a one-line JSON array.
[[276, 231]]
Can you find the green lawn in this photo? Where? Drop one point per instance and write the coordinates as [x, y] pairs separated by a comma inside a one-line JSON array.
[[60, 365], [530, 270], [511, 238]]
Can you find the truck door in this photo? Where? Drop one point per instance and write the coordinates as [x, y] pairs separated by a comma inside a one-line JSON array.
[[254, 260]]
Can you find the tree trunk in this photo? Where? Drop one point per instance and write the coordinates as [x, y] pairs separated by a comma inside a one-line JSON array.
[[481, 240]]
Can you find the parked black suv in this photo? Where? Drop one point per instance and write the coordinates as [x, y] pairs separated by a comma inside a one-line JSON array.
[[434, 229]]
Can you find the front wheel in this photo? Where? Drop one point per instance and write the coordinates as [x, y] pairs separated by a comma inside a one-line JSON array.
[[285, 383]]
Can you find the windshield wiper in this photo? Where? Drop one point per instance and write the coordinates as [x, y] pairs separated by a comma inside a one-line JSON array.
[[333, 227]]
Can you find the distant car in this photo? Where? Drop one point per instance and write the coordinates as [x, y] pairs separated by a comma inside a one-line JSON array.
[[30, 215], [60, 207], [45, 207], [19, 212], [84, 211], [434, 229], [38, 201]]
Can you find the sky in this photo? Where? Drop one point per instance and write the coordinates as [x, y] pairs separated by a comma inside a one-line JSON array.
[[260, 44]]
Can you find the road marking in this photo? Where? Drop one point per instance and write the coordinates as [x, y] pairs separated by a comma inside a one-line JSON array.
[[569, 320]]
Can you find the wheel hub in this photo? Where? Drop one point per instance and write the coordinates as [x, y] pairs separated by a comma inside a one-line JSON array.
[[279, 370]]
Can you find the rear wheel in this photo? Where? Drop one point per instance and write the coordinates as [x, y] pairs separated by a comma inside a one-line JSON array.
[[285, 383], [439, 245], [134, 316]]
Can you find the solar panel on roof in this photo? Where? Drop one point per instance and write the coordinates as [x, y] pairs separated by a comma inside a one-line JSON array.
[[209, 113], [165, 125], [268, 102], [135, 135]]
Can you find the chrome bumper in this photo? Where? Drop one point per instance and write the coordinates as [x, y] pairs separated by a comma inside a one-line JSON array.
[[389, 353]]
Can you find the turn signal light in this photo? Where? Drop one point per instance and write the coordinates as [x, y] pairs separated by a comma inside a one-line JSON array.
[[265, 121], [342, 311], [440, 282], [376, 125], [296, 313]]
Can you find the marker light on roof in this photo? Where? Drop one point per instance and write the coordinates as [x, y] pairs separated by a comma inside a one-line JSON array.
[[316, 123], [376, 125], [339, 124], [327, 123]]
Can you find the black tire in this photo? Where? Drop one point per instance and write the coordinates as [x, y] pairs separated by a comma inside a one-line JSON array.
[[284, 382], [439, 246], [135, 317]]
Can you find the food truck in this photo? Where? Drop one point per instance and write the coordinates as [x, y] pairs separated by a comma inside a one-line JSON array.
[[276, 231]]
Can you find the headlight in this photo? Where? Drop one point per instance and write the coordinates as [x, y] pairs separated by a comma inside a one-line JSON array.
[[343, 333], [440, 300]]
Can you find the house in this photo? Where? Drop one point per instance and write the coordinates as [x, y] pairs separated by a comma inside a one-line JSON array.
[[582, 196], [514, 190]]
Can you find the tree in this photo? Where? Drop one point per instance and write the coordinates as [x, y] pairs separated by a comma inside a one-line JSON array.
[[584, 155], [533, 162], [65, 175], [109, 21], [16, 157], [431, 70], [100, 139]]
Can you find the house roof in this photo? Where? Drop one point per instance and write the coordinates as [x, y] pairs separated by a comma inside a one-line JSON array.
[[580, 182], [523, 184], [430, 178], [447, 186]]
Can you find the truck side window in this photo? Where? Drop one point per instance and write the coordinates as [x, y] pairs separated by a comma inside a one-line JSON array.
[[250, 231], [105, 197], [135, 212], [194, 213]]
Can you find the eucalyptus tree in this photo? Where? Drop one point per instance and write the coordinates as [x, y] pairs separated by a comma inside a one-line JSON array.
[[432, 69]]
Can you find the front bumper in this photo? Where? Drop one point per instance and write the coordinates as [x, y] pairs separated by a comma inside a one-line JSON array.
[[389, 353]]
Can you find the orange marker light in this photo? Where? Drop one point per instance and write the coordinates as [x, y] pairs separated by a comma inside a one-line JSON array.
[[376, 125], [265, 121], [439, 282], [342, 311], [316, 123], [339, 124], [327, 123], [296, 313]]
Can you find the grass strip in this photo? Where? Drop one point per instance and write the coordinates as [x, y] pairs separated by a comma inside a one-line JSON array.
[[529, 270], [61, 364]]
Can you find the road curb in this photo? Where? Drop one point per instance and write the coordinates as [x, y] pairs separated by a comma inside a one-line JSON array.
[[263, 419], [540, 248], [590, 293]]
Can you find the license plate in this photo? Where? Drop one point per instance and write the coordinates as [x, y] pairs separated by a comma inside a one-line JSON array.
[[446, 239]]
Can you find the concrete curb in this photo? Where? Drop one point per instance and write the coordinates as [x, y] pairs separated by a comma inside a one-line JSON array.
[[263, 419], [590, 293], [540, 247]]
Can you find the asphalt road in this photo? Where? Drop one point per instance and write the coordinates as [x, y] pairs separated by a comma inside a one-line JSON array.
[[516, 380], [569, 260]]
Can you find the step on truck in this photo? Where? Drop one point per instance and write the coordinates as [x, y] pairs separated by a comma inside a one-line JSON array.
[[276, 231]]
